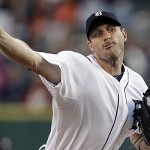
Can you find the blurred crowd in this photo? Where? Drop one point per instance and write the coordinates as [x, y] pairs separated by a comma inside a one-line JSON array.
[[56, 25]]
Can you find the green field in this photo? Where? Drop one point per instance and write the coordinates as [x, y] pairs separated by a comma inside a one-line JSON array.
[[22, 112]]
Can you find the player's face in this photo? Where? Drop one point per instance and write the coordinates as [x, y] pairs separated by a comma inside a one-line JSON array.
[[107, 42]]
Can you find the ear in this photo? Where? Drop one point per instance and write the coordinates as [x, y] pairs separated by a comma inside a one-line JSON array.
[[89, 43], [124, 32]]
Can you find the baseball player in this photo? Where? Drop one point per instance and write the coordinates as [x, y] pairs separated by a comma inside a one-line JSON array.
[[92, 96]]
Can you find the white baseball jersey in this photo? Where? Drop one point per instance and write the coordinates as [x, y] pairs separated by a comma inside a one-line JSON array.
[[91, 109]]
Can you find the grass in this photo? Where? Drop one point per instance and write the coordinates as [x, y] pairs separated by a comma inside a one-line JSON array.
[[24, 112]]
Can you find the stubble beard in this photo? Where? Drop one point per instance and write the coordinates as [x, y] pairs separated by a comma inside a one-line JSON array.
[[112, 57]]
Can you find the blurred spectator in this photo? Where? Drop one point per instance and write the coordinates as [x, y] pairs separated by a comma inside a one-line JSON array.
[[66, 12], [56, 25], [3, 80], [15, 83], [137, 60], [37, 98]]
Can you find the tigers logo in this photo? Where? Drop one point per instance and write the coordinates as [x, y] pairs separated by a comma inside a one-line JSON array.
[[98, 13]]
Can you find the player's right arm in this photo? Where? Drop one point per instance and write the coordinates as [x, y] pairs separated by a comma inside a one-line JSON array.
[[20, 52]]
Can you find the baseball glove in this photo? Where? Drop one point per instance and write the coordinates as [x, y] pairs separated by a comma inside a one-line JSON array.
[[142, 116]]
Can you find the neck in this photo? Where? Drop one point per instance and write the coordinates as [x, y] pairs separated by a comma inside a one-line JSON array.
[[112, 67]]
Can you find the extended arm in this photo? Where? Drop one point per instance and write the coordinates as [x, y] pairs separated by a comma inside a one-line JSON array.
[[20, 52], [138, 141]]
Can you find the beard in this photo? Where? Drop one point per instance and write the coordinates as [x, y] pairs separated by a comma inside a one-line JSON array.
[[111, 55]]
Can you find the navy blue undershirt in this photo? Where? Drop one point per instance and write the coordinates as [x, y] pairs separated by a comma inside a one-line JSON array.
[[118, 77]]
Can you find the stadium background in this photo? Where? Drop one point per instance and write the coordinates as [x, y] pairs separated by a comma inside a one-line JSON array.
[[52, 26]]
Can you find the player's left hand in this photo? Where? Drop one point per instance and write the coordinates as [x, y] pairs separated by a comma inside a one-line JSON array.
[[136, 139], [138, 142], [144, 146]]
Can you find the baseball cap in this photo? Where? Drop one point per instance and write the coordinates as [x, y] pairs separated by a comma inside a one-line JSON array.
[[101, 16]]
